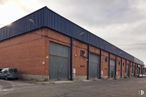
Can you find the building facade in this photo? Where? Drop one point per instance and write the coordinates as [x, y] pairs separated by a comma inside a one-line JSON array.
[[44, 45]]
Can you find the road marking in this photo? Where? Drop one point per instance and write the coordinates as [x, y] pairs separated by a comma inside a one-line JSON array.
[[141, 92], [5, 90]]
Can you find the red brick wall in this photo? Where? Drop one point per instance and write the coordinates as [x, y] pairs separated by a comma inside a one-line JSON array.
[[113, 57], [104, 64], [130, 69], [25, 52], [29, 53], [94, 50], [118, 67], [123, 68], [79, 62]]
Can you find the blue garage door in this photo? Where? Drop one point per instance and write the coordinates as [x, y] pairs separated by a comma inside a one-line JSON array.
[[127, 70], [133, 73], [59, 67], [112, 69], [93, 66]]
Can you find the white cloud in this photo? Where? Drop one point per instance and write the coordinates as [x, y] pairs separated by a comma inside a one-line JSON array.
[[12, 10]]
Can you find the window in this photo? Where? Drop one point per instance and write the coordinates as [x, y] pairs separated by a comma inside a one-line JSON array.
[[83, 53], [105, 59], [119, 62]]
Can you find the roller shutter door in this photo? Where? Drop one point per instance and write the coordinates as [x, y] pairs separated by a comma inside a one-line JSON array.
[[93, 66], [59, 59], [133, 70], [127, 70], [112, 69]]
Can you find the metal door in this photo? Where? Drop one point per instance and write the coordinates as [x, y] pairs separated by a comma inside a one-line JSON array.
[[127, 70], [121, 70], [138, 71], [93, 66], [59, 67], [133, 70], [112, 69]]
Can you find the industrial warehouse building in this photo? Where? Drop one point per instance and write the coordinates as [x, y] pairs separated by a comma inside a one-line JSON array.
[[44, 45]]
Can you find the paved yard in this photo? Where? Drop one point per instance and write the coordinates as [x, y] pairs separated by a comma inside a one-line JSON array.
[[99, 88]]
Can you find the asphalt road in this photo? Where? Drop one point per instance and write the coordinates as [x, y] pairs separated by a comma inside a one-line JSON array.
[[99, 88]]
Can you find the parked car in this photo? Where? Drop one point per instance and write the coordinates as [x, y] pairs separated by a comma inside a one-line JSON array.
[[8, 73]]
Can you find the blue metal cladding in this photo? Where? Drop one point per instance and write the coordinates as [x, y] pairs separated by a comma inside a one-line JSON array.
[[47, 18], [66, 27], [23, 25]]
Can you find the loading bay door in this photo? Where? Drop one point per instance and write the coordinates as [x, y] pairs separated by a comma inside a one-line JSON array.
[[93, 66], [138, 71], [112, 72], [59, 62], [132, 70], [127, 70]]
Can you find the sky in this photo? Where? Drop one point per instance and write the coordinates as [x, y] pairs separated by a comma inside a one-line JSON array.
[[120, 22]]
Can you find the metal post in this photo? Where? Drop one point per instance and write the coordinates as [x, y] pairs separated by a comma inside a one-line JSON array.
[[71, 57], [88, 62]]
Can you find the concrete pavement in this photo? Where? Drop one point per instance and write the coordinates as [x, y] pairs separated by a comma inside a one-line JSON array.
[[99, 88]]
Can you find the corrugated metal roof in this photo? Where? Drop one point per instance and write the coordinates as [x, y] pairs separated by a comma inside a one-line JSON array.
[[47, 18]]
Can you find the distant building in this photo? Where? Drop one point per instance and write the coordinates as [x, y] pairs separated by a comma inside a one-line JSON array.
[[144, 70]]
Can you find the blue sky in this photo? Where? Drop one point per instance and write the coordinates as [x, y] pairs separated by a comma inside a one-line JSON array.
[[121, 22]]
